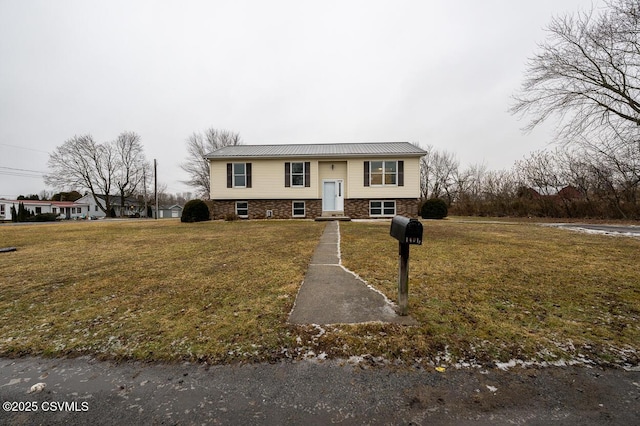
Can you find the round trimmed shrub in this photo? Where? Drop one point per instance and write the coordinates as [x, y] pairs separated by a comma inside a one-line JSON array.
[[434, 208], [195, 211]]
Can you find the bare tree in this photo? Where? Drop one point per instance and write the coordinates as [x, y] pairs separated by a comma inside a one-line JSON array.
[[616, 174], [587, 73], [438, 171], [131, 166], [82, 163], [199, 145]]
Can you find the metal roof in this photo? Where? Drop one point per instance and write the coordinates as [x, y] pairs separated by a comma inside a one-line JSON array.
[[369, 149]]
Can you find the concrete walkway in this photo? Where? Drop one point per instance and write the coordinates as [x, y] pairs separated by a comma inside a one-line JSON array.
[[331, 294]]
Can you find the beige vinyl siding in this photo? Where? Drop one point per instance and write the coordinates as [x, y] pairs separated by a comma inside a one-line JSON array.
[[411, 188], [267, 181], [325, 171]]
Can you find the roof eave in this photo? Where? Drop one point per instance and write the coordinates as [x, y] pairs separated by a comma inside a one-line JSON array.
[[328, 156]]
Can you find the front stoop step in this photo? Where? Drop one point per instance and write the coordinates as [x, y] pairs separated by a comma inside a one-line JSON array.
[[330, 218]]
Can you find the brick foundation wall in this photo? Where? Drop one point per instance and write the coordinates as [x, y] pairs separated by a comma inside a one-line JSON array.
[[359, 208], [282, 209]]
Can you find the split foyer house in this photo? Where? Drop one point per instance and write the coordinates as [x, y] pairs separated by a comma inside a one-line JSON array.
[[356, 180]]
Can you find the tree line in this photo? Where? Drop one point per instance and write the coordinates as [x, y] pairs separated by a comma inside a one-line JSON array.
[[565, 183]]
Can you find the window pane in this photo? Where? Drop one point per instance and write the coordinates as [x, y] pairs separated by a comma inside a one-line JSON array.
[[297, 180], [376, 179], [389, 208], [242, 208], [389, 179], [390, 166], [238, 168], [376, 167], [375, 208], [239, 180], [298, 208], [297, 167]]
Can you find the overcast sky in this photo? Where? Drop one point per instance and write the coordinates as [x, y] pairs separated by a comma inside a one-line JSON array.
[[437, 73]]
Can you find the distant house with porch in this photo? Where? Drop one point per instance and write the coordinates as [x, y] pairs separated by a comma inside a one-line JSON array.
[[355, 180], [65, 209]]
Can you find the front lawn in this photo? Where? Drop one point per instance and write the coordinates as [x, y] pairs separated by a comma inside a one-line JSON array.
[[221, 292], [491, 291], [152, 290]]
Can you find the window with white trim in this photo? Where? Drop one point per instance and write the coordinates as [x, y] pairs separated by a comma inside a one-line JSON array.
[[384, 173], [239, 175], [242, 208], [382, 208], [298, 208], [297, 174]]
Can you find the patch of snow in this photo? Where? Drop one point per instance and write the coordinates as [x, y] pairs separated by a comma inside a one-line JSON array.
[[13, 382], [38, 387], [578, 228]]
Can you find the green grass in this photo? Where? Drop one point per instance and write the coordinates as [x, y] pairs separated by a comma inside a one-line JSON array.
[[221, 292]]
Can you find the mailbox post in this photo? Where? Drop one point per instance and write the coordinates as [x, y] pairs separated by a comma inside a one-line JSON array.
[[406, 231]]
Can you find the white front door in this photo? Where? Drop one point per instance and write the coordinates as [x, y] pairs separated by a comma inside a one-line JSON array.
[[332, 195]]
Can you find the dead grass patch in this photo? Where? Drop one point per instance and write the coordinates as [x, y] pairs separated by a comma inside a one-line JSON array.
[[221, 292], [156, 290], [489, 291]]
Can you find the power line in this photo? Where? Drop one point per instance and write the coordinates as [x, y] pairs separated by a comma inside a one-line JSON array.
[[22, 147], [25, 173], [17, 174], [21, 170]]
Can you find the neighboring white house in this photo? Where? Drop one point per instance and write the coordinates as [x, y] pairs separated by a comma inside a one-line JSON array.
[[357, 180], [131, 205], [68, 209]]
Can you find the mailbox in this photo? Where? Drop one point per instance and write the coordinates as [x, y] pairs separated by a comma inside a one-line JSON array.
[[405, 230]]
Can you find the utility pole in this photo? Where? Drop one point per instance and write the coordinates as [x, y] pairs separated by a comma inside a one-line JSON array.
[[144, 183], [155, 185]]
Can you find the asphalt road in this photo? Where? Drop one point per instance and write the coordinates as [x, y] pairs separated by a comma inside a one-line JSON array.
[[86, 391]]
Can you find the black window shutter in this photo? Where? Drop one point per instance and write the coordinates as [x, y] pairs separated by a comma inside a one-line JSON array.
[[307, 174], [248, 171], [287, 175], [229, 175], [400, 173], [366, 173]]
